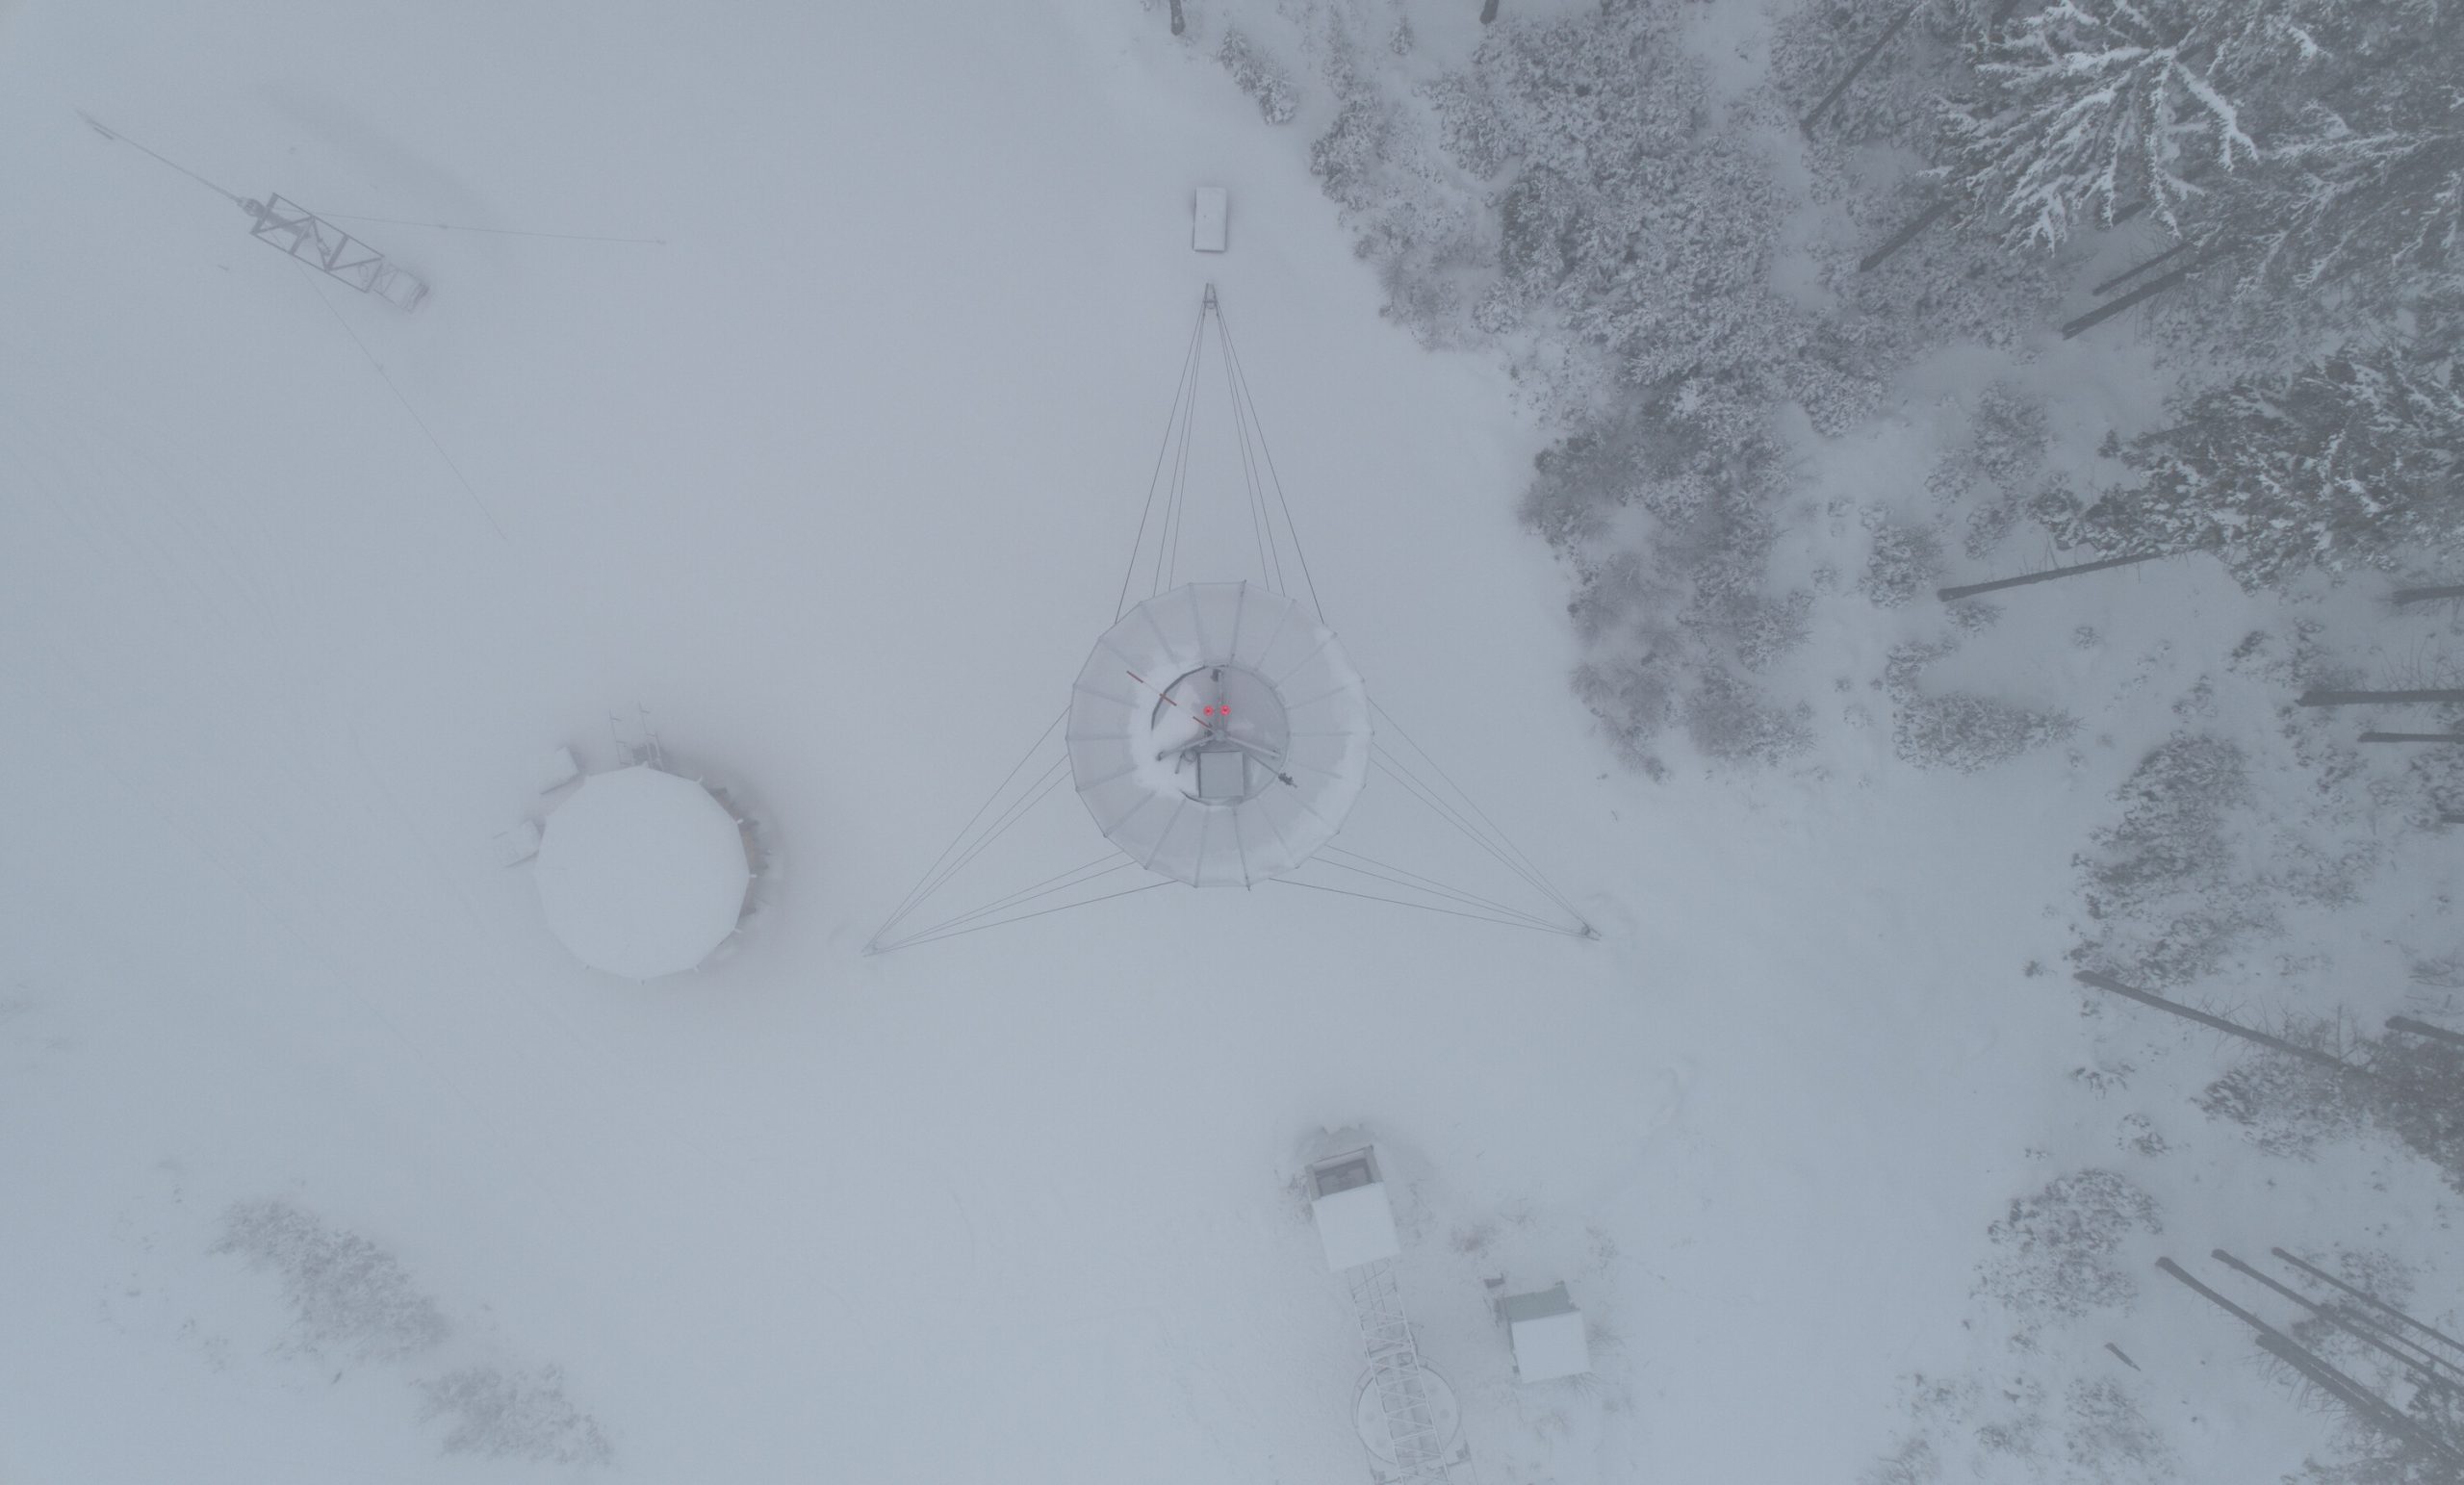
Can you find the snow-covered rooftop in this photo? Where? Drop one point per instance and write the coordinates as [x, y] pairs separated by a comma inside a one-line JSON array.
[[1356, 1226], [1548, 1333], [642, 873]]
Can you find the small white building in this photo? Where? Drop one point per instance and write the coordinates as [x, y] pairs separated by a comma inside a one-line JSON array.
[[641, 873], [1210, 219], [1547, 1334], [1355, 1224]]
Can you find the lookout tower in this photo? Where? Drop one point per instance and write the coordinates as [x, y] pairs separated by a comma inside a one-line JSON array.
[[1218, 734]]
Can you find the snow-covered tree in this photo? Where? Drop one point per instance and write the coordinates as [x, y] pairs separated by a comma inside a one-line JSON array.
[[1895, 64], [2359, 201], [2358, 459], [1260, 75], [2164, 887], [1412, 217], [1624, 212], [2089, 106]]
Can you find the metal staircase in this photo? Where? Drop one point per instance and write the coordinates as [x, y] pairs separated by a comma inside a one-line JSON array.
[[1416, 1439]]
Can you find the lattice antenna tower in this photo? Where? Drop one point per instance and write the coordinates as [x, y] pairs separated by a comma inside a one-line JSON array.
[[309, 238], [1407, 1392], [304, 237]]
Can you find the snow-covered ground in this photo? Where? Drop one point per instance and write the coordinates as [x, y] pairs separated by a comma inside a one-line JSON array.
[[830, 489]]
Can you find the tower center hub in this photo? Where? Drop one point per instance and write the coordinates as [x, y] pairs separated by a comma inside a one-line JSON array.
[[1223, 731]]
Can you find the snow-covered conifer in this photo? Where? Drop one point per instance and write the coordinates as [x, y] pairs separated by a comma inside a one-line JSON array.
[[2089, 106], [2358, 459], [1260, 76], [2359, 203]]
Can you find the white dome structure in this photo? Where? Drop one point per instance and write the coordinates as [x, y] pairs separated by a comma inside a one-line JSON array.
[[1218, 734], [642, 873]]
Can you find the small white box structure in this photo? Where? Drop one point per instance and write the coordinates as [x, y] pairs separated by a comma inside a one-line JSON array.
[[1548, 1339], [1213, 221], [1223, 774], [556, 769], [518, 844], [1356, 1225]]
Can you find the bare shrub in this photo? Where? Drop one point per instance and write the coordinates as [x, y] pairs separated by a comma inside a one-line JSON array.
[[2059, 1247], [513, 1415], [2417, 1090], [1963, 732], [1633, 701], [1729, 719], [2285, 1105], [1905, 562], [1995, 465], [1958, 732], [2108, 1439], [2163, 883], [1912, 1463], [345, 1293]]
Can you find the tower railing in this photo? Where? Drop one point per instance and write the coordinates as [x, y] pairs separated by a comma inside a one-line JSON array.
[[1415, 1435]]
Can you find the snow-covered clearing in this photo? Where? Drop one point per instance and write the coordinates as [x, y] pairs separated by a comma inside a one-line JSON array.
[[831, 490]]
